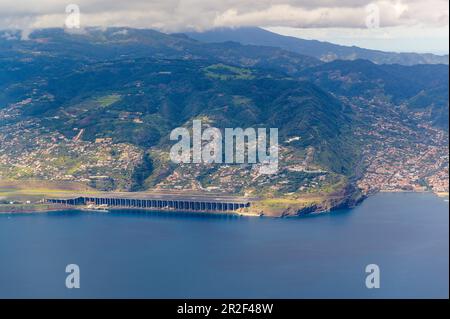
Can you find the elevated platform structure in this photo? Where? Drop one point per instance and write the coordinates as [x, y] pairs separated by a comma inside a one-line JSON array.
[[174, 202]]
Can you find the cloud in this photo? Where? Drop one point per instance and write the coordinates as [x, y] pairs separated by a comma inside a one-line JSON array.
[[182, 15]]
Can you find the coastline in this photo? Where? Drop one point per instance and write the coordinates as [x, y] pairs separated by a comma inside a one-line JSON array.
[[326, 205], [442, 194], [438, 194], [37, 209], [29, 208]]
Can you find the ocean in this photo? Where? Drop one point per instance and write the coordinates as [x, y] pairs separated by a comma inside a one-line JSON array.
[[139, 254]]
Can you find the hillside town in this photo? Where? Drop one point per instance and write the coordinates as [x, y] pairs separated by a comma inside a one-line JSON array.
[[399, 156], [31, 152]]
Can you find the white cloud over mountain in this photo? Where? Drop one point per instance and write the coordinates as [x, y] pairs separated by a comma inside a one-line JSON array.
[[182, 15]]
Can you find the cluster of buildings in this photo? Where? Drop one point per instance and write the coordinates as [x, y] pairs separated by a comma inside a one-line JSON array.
[[31, 152], [294, 175], [401, 156]]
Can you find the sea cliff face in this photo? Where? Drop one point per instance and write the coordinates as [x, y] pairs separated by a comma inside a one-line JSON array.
[[348, 197], [347, 201]]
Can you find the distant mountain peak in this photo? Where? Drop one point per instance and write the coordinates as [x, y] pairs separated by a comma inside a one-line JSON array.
[[325, 51]]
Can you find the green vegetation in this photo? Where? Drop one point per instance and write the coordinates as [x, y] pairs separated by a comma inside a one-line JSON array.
[[108, 100], [226, 72], [33, 191]]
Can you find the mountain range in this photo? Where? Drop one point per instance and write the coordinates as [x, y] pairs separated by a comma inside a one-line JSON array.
[[97, 107], [324, 51]]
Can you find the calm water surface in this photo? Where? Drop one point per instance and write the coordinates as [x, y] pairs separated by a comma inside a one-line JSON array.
[[148, 255]]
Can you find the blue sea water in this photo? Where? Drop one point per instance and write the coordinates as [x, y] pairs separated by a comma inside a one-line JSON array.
[[135, 254]]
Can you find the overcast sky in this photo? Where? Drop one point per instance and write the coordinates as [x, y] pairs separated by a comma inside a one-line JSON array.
[[395, 25]]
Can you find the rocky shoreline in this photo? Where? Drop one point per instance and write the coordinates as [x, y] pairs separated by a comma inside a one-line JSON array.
[[29, 208]]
